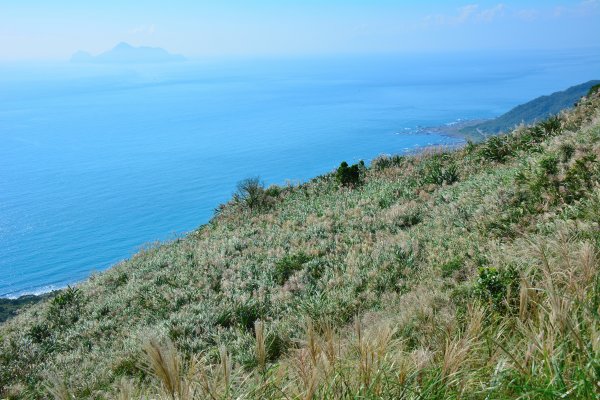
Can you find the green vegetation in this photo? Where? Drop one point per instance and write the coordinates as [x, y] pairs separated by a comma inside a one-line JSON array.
[[471, 273], [533, 111], [349, 176], [10, 307]]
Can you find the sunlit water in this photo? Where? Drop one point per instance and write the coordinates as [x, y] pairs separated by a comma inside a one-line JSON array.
[[98, 161]]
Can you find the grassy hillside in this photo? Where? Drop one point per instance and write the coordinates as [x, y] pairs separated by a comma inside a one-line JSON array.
[[10, 307], [533, 111], [463, 274]]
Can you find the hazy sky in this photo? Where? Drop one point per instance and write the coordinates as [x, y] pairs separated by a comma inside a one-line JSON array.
[[42, 29]]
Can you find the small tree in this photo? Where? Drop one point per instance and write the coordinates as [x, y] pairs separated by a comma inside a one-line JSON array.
[[251, 192], [348, 175]]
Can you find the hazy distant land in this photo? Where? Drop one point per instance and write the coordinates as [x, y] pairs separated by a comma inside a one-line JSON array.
[[124, 53]]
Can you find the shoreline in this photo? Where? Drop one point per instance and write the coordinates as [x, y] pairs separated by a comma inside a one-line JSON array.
[[9, 308], [455, 129]]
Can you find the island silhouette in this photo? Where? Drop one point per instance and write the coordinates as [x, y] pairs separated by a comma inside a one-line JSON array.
[[124, 53]]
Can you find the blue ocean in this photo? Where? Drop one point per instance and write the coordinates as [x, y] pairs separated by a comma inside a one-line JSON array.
[[98, 161]]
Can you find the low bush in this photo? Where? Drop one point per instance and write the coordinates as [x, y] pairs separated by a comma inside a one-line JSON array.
[[498, 287], [496, 148], [251, 194], [65, 307], [382, 162], [580, 177], [348, 176], [289, 264], [551, 126], [567, 151], [438, 171], [450, 267]]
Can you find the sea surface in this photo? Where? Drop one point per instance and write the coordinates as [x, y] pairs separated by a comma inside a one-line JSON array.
[[97, 161]]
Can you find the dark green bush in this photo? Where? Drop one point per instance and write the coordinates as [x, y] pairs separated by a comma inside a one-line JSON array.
[[39, 332], [566, 152], [580, 177], [289, 264], [246, 314], [273, 191], [530, 138], [129, 367], [438, 172], [470, 147], [348, 176], [549, 164], [496, 148], [551, 126], [498, 287], [251, 193], [314, 271], [451, 266], [392, 278], [65, 307], [383, 162], [409, 219], [276, 344]]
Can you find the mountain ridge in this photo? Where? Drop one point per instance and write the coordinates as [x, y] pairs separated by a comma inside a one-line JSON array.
[[532, 111]]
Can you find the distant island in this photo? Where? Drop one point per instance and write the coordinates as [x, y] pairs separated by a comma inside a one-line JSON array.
[[124, 53]]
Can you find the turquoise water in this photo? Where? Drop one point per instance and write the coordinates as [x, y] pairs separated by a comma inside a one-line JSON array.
[[98, 161]]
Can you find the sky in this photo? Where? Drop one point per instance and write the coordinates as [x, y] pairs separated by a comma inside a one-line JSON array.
[[53, 30]]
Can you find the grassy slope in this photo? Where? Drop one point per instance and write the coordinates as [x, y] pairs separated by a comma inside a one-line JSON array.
[[466, 274], [534, 110]]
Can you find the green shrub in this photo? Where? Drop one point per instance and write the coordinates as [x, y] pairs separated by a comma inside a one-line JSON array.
[[65, 307], [129, 367], [348, 176], [247, 313], [499, 287], [566, 152], [580, 177], [251, 193], [382, 162], [437, 172], [470, 147], [496, 148], [451, 266], [411, 218], [39, 333], [392, 277], [273, 191], [120, 280], [549, 165], [289, 264], [551, 126]]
